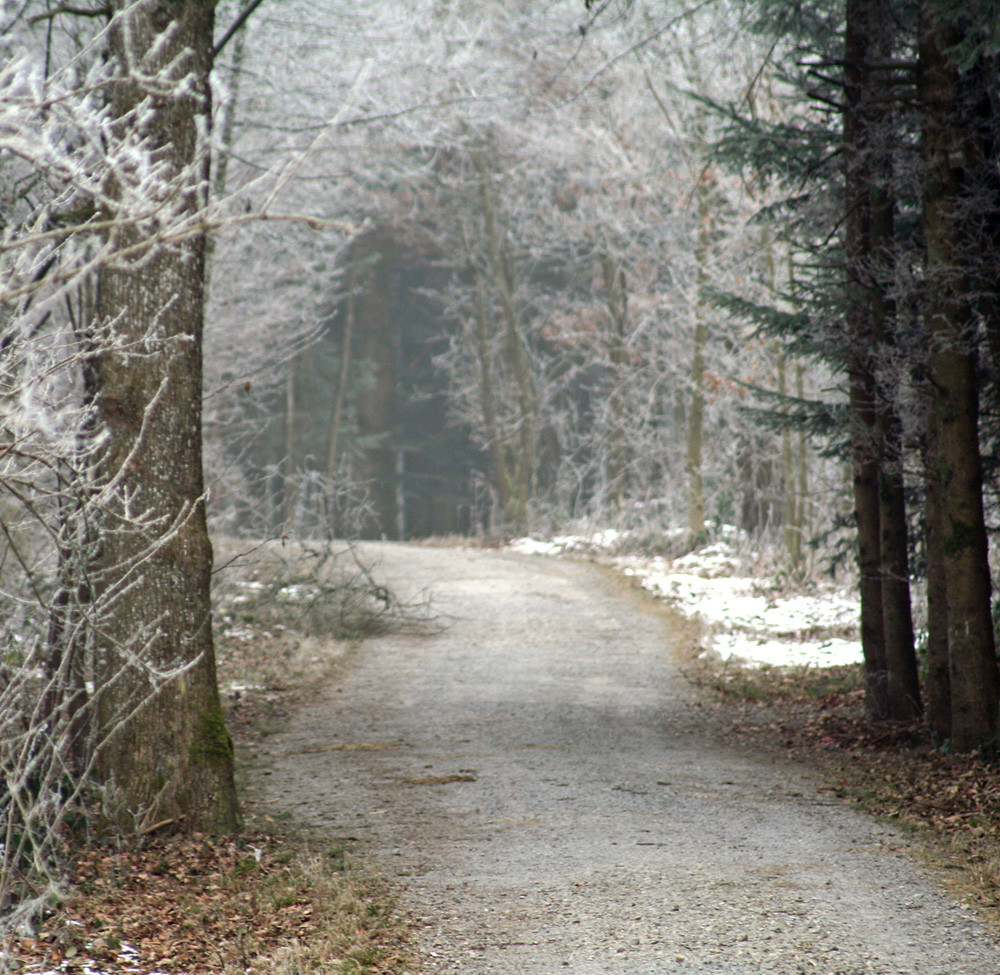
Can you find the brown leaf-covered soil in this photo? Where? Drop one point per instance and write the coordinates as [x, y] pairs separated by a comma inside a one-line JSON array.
[[273, 899], [184, 904]]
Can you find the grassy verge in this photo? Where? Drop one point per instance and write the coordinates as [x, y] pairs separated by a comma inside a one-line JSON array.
[[254, 903]]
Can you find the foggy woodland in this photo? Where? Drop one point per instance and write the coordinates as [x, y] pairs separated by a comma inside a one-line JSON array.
[[330, 271]]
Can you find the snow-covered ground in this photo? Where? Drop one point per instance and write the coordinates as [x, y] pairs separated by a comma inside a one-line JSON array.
[[747, 617]]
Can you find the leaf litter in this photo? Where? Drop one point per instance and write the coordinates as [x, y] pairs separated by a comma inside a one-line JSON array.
[[182, 904]]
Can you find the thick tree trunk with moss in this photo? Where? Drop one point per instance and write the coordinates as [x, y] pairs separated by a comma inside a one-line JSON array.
[[950, 300], [164, 752]]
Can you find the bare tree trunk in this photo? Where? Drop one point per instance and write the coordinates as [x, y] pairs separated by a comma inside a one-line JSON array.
[[617, 460], [802, 478], [938, 679], [696, 406], [902, 678], [877, 448], [290, 481], [981, 116], [66, 700], [488, 402], [524, 464], [65, 704], [696, 431], [791, 535], [902, 675], [801, 462], [865, 449], [975, 687], [165, 754], [375, 398], [340, 397], [227, 122]]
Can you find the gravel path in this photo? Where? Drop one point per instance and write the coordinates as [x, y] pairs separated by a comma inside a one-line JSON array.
[[538, 779]]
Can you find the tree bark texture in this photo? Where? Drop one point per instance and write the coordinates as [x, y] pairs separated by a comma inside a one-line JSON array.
[[164, 752], [938, 677], [290, 481], [339, 400], [523, 463], [790, 534], [860, 338], [375, 402], [902, 677], [902, 674], [949, 302], [696, 405], [343, 376], [802, 511], [980, 105], [616, 297], [479, 337]]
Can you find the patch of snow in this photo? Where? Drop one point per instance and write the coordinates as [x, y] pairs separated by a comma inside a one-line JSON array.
[[711, 562], [598, 541], [296, 593], [244, 633], [532, 546], [748, 649], [129, 957], [746, 618], [741, 602]]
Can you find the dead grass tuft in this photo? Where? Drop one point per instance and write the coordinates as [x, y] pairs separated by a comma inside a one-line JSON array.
[[242, 905]]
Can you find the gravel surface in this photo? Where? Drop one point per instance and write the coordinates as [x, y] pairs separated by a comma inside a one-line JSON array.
[[540, 781]]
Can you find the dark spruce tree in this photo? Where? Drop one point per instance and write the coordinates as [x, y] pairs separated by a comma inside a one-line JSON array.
[[957, 77], [893, 208], [837, 164]]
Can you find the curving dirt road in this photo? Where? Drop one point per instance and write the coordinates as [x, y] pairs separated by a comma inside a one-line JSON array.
[[537, 779]]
